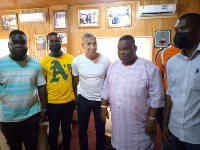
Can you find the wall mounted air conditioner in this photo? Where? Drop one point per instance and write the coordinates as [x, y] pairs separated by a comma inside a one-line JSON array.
[[32, 17], [157, 10]]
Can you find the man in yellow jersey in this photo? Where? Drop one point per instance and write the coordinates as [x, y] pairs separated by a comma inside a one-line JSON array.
[[57, 70]]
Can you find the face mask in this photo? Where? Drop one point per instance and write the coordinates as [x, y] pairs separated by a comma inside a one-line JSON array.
[[55, 47], [180, 39]]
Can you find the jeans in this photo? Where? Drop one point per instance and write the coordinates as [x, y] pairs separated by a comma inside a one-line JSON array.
[[60, 113], [84, 108], [25, 132], [176, 144]]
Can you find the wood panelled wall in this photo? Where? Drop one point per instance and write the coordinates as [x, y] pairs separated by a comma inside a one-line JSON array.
[[140, 27]]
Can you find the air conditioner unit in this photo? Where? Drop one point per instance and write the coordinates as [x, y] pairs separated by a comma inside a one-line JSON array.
[[32, 17], [156, 10]]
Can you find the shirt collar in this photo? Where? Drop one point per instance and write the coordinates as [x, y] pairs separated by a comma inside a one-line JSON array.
[[197, 51]]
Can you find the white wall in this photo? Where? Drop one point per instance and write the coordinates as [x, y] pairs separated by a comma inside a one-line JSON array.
[[108, 47], [4, 47]]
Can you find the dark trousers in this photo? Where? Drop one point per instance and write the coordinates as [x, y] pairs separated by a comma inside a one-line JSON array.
[[60, 113], [160, 116], [25, 132], [176, 144], [84, 108]]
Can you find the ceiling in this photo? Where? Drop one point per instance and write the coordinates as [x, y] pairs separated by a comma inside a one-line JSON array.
[[27, 4]]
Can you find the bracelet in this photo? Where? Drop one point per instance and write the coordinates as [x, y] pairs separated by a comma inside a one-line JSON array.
[[44, 109], [152, 119], [103, 106]]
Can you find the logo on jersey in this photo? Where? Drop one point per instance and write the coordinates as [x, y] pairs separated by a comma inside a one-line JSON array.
[[58, 69]]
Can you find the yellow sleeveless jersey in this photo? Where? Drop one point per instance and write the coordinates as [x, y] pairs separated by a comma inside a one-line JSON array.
[[57, 71]]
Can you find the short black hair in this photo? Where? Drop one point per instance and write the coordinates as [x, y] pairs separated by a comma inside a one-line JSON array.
[[16, 32], [127, 37], [53, 33], [194, 17]]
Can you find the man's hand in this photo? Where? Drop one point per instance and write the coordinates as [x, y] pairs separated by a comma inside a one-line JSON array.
[[150, 127], [166, 134], [104, 114], [43, 116]]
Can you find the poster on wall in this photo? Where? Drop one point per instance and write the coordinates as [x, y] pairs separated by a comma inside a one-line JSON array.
[[40, 42], [88, 17], [119, 16], [9, 22], [60, 19], [63, 37], [162, 38], [64, 49]]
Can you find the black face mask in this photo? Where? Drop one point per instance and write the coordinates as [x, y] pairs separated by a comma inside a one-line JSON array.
[[181, 39], [55, 47]]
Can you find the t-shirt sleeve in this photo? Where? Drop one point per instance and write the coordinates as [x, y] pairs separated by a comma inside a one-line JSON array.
[[108, 64], [40, 76], [159, 64], [43, 68], [105, 91], [74, 68]]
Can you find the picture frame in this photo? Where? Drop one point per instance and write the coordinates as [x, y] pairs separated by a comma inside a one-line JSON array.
[[40, 42], [63, 37], [64, 48], [9, 22], [59, 19], [162, 38], [119, 16], [88, 17]]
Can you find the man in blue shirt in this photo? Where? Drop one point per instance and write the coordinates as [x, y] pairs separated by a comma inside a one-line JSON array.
[[21, 78], [181, 125]]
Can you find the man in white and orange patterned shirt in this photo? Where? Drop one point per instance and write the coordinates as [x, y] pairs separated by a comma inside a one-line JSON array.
[[134, 89]]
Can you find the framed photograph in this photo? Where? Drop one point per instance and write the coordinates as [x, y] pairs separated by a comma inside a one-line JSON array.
[[162, 38], [88, 17], [63, 37], [64, 49], [60, 19], [119, 16], [40, 42], [9, 22]]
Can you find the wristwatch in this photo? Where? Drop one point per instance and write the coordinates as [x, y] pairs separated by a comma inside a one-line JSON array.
[[152, 119]]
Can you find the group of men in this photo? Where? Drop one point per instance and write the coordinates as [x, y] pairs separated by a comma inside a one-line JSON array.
[[131, 86]]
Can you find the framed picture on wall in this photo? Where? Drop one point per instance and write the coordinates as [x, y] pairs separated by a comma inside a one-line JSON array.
[[9, 22], [63, 37], [162, 38], [88, 17], [64, 48], [119, 16], [40, 42], [59, 18]]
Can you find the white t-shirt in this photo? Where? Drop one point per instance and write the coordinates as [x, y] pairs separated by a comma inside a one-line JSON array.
[[91, 74]]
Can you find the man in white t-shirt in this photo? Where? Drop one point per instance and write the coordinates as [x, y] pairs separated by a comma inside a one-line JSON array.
[[89, 71]]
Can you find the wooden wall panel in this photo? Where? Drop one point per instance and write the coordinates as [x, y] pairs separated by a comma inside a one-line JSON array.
[[33, 29], [146, 27]]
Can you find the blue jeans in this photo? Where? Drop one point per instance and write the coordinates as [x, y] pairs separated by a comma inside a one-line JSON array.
[[84, 108], [25, 132], [176, 144], [60, 113]]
